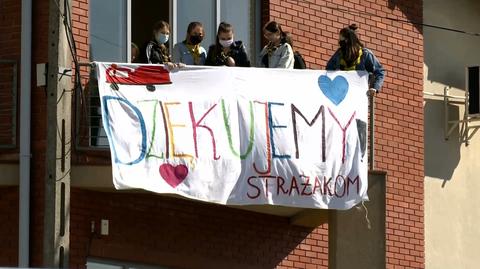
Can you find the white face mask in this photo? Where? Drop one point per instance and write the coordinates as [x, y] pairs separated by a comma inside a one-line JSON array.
[[161, 38], [226, 43]]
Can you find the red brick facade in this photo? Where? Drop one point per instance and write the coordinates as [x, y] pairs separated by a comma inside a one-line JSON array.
[[171, 232], [399, 108], [10, 29], [9, 226], [151, 229]]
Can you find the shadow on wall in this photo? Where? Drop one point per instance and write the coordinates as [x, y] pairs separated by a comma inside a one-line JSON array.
[[414, 14], [442, 156], [447, 53]]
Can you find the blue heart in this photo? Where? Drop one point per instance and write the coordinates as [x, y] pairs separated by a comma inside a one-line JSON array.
[[335, 90]]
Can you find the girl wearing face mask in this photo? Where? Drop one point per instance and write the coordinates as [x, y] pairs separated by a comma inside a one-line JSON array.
[[352, 55], [156, 50], [226, 51], [277, 53], [190, 51]]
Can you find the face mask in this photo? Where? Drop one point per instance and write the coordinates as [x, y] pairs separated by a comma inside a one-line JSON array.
[[196, 39], [161, 38], [226, 43]]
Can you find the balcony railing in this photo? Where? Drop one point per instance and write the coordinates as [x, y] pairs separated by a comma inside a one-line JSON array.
[[89, 132]]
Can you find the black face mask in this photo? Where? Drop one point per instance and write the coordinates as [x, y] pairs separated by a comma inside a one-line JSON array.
[[342, 43], [196, 39]]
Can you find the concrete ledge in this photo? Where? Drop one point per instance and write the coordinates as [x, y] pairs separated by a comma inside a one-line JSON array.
[[311, 218]]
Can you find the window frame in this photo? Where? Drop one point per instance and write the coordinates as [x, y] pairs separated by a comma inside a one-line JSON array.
[[253, 45]]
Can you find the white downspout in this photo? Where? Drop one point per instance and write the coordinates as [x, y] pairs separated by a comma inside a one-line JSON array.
[[25, 154]]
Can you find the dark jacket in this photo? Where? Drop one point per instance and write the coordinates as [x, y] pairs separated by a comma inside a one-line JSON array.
[[299, 61], [153, 53], [216, 57]]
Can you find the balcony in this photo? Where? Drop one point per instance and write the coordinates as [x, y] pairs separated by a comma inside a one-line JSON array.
[[92, 168]]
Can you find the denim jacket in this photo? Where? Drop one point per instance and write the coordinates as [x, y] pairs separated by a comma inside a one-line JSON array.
[[181, 54], [368, 63], [282, 57]]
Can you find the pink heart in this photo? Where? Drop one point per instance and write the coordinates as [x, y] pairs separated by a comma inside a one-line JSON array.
[[173, 175]]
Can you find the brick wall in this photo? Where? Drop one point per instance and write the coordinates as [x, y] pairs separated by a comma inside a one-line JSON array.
[[10, 28], [9, 226], [152, 229], [10, 31], [399, 108]]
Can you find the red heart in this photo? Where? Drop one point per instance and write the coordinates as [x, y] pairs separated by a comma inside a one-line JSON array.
[[173, 175]]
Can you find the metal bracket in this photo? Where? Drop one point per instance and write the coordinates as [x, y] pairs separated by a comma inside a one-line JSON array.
[[467, 125]]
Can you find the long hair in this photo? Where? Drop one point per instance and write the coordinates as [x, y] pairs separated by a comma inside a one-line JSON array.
[[275, 27], [352, 47], [192, 26], [289, 39]]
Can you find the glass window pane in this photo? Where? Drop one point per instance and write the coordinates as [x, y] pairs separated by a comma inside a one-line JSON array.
[[108, 30], [237, 13], [198, 10]]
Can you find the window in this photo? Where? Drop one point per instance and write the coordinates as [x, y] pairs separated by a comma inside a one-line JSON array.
[[108, 30], [116, 23]]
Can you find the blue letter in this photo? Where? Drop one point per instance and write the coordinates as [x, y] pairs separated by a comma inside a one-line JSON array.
[[108, 128]]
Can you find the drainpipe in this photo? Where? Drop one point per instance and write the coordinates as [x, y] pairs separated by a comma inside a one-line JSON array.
[[25, 154]]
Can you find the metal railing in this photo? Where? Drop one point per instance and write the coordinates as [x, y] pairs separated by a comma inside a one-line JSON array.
[[89, 131], [371, 135], [8, 103]]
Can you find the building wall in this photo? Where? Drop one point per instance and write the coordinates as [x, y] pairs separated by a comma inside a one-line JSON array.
[[262, 240], [399, 113], [156, 230], [10, 29], [399, 128], [451, 168], [176, 233], [9, 226]]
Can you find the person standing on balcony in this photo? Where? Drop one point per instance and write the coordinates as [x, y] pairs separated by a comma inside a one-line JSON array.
[[190, 51], [352, 55], [277, 53], [156, 50], [226, 51]]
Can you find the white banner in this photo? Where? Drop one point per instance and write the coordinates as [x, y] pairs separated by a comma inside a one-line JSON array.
[[238, 136]]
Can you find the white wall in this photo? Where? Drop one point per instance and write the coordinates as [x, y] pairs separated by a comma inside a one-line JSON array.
[[452, 170]]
